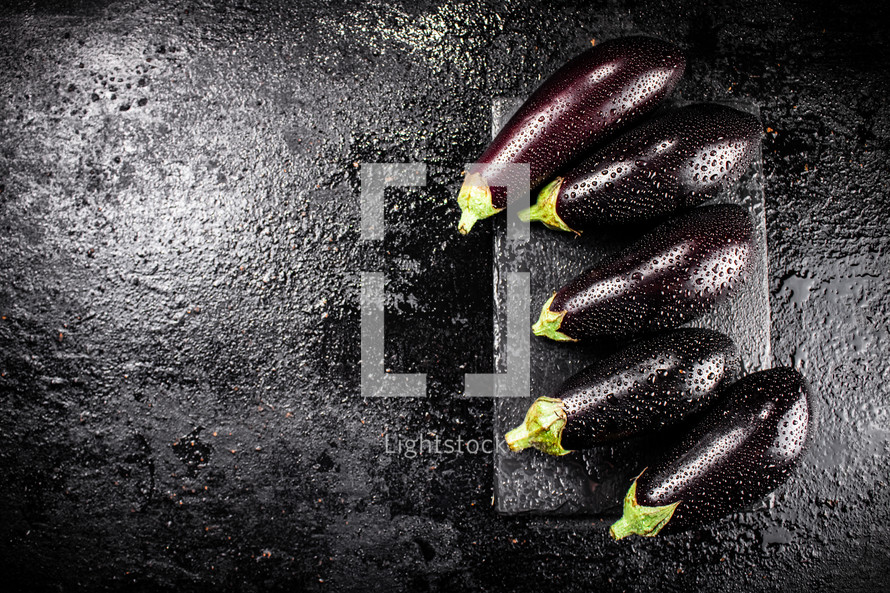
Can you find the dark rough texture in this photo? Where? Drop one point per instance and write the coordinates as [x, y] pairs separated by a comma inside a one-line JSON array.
[[671, 275], [179, 249], [677, 160]]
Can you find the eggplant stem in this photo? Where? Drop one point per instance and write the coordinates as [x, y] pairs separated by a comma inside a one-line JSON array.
[[639, 519], [548, 323], [474, 200], [545, 209], [541, 429]]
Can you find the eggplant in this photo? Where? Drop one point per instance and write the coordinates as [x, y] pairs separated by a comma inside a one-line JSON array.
[[651, 384], [604, 89], [672, 275], [672, 162], [742, 449]]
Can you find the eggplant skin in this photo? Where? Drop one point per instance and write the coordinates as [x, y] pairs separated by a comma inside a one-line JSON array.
[[605, 88], [600, 91], [673, 162], [740, 452], [651, 384], [672, 275]]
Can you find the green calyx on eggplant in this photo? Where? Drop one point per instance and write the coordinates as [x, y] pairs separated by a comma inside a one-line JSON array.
[[600, 91], [672, 275], [739, 452], [672, 162], [652, 384]]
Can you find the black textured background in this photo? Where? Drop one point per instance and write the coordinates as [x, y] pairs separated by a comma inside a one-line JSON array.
[[179, 263]]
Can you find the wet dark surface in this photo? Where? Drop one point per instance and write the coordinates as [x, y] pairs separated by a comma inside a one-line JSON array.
[[179, 264]]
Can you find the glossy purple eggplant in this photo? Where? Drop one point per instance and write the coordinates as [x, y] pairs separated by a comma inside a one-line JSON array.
[[742, 449], [672, 275], [672, 162], [594, 95], [654, 383]]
